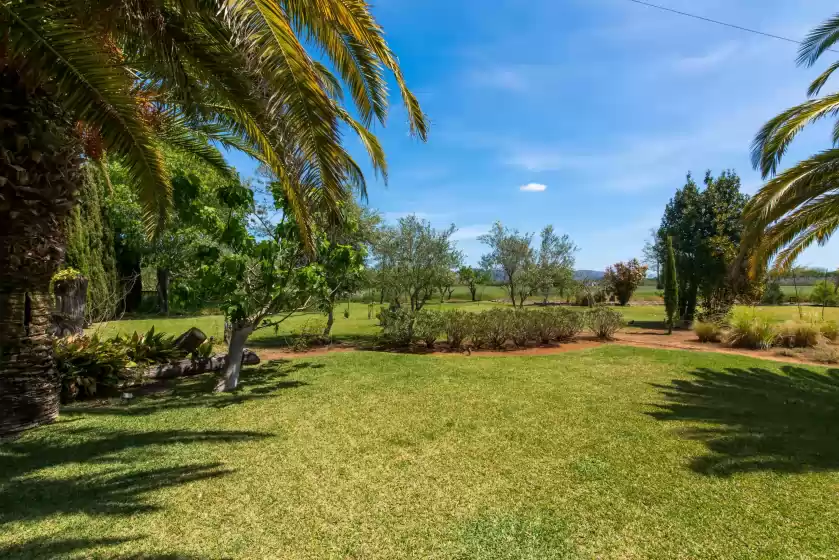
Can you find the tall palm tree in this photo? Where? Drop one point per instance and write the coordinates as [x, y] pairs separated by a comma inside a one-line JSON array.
[[800, 205], [84, 78]]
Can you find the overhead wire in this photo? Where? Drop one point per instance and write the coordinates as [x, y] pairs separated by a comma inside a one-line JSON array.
[[717, 22]]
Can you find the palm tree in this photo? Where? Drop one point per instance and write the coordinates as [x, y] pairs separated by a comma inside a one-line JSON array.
[[81, 79], [800, 205]]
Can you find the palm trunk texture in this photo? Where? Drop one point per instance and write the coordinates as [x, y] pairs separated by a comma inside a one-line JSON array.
[[39, 173]]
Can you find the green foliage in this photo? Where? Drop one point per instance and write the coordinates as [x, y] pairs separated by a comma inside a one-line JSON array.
[[624, 278], [204, 350], [798, 334], [458, 326], [472, 278], [428, 326], [90, 246], [491, 328], [772, 295], [523, 326], [707, 331], [705, 228], [85, 365], [309, 334], [397, 326], [824, 293], [149, 348], [604, 321], [671, 285], [748, 330], [511, 253], [569, 324], [413, 259], [830, 330], [68, 273]]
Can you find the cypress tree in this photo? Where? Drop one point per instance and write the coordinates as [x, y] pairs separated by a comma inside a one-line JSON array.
[[671, 285], [90, 245]]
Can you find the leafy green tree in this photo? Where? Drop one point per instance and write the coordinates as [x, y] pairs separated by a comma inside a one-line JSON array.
[[623, 279], [554, 267], [117, 79], [342, 256], [411, 258], [671, 285], [824, 293], [706, 229], [797, 207], [511, 254], [473, 278], [263, 275]]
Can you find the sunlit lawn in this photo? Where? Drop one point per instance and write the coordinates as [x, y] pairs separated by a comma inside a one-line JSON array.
[[610, 453]]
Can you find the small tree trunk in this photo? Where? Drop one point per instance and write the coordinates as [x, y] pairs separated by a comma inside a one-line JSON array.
[[473, 290], [330, 319], [163, 290], [238, 338], [70, 301]]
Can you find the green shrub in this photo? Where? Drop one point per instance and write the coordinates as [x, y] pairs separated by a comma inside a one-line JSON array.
[[397, 326], [707, 331], [458, 326], [149, 348], [751, 331], [798, 334], [85, 365], [545, 325], [309, 334], [773, 295], [428, 326], [492, 328], [604, 321], [569, 324], [830, 330], [523, 327]]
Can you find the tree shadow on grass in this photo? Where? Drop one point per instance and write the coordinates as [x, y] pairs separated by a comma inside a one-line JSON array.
[[43, 547], [264, 381], [758, 420], [115, 484]]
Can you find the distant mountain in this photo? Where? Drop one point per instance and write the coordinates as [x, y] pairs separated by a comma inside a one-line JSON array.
[[588, 274]]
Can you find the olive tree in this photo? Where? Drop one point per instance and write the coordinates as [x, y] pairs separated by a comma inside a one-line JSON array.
[[511, 254], [412, 258]]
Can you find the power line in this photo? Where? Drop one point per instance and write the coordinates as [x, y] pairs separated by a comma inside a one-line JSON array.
[[709, 20]]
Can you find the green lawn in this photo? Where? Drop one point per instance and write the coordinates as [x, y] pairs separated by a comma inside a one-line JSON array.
[[608, 453]]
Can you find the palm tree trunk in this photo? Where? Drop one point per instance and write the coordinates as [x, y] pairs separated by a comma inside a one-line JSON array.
[[39, 174]]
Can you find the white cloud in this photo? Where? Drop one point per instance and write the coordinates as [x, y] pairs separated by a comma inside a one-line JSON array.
[[470, 232], [708, 61], [508, 78], [533, 187]]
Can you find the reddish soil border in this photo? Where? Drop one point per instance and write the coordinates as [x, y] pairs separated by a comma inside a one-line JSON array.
[[636, 337]]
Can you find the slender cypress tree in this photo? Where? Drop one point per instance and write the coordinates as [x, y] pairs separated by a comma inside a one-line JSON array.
[[671, 285]]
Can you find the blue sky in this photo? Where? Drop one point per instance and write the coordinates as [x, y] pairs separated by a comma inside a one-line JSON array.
[[606, 103]]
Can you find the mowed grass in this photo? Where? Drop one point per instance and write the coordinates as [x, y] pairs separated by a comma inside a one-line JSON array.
[[607, 453]]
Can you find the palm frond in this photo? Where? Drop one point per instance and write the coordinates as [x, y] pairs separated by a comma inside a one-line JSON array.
[[771, 143], [95, 91], [819, 41], [817, 85]]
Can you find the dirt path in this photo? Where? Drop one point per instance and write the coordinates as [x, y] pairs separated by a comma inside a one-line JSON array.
[[636, 337]]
